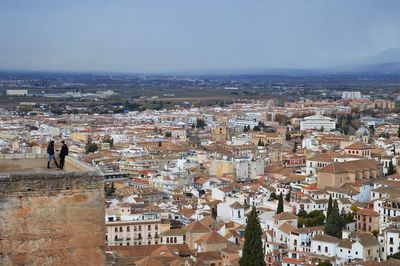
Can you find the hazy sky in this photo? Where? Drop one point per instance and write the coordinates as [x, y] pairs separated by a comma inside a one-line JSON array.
[[186, 35]]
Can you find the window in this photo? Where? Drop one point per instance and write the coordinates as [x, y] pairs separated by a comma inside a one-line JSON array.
[[167, 240], [149, 227], [116, 229], [319, 248], [326, 249], [128, 229], [120, 229]]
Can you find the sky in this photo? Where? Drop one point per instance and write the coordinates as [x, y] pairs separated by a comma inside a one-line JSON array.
[[187, 35]]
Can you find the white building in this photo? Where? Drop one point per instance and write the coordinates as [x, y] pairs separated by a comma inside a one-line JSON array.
[[231, 210], [317, 122], [246, 168], [17, 92], [348, 95]]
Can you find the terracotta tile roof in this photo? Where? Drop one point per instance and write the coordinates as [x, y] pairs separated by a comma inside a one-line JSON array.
[[350, 166], [345, 243], [146, 250], [287, 228], [174, 232], [236, 205], [211, 237], [203, 257], [358, 146], [365, 239], [285, 216], [326, 238], [306, 230], [196, 227], [367, 212]]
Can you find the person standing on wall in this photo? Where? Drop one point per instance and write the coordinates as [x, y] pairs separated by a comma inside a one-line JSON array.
[[50, 152], [63, 153]]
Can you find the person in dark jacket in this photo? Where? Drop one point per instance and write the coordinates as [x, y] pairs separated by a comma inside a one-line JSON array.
[[50, 152], [63, 153]]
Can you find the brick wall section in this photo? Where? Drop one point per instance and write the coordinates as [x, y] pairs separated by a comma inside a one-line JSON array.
[[52, 218]]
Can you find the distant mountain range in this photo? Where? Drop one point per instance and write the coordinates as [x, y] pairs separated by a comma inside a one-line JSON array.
[[386, 62]]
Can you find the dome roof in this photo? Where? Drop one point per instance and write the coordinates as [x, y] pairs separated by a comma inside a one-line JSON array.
[[362, 131]]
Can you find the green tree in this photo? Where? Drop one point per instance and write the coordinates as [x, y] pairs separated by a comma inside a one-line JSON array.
[[398, 132], [302, 213], [295, 147], [330, 205], [253, 251], [288, 136], [91, 146], [372, 130], [109, 140], [280, 207], [343, 219], [325, 263], [260, 142], [200, 123], [333, 226], [287, 197], [273, 196], [314, 218], [168, 134], [256, 128], [391, 170]]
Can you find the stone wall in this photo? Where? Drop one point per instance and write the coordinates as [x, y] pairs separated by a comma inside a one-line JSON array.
[[52, 218]]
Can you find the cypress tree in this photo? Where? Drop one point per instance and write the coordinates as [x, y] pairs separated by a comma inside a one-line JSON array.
[[253, 251], [333, 226], [328, 212], [391, 168], [295, 147], [259, 142], [280, 204], [343, 219]]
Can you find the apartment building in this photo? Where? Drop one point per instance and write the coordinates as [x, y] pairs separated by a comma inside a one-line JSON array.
[[135, 229]]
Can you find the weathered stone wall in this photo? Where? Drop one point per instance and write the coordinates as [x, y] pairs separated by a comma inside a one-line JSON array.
[[52, 218]]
